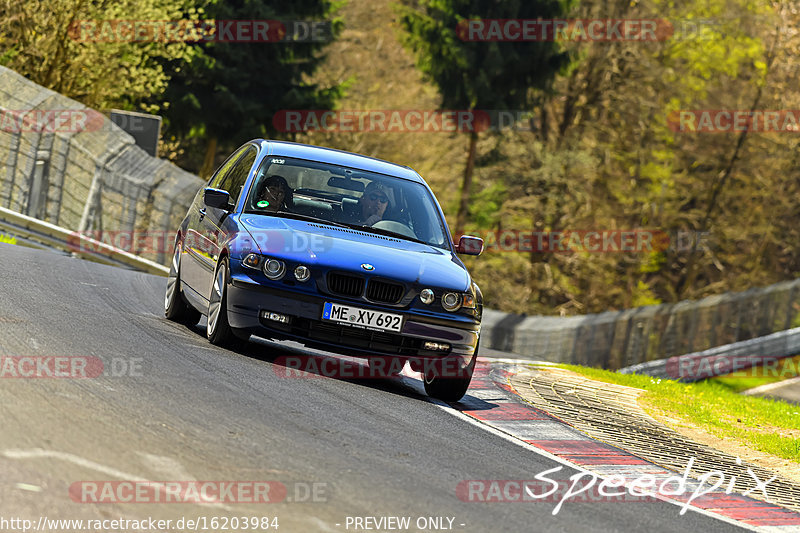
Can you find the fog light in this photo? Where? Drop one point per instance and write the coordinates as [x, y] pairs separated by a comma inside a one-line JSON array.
[[251, 260], [451, 301], [426, 296], [274, 269], [435, 346], [302, 273], [275, 317]]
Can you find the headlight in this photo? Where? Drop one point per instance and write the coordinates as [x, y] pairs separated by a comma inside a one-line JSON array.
[[451, 301], [302, 273], [274, 269], [426, 295]]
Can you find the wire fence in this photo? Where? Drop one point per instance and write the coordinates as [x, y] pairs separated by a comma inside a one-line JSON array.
[[71, 166], [618, 339]]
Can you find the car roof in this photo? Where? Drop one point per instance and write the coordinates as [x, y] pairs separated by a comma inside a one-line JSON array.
[[340, 157]]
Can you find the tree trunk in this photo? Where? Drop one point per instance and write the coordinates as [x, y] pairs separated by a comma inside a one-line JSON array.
[[208, 160], [466, 186]]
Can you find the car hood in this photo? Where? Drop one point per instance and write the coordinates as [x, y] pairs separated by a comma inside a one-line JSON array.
[[347, 249]]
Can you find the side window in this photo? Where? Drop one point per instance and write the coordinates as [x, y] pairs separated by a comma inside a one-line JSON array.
[[234, 179], [217, 178]]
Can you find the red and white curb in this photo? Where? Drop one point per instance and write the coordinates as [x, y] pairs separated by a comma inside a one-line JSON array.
[[510, 415]]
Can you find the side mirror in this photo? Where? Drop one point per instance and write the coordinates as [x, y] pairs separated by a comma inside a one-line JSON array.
[[469, 245], [217, 198]]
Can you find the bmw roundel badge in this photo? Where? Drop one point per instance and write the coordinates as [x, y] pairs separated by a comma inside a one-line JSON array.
[[367, 266]]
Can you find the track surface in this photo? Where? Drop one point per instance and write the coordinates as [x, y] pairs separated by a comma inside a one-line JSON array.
[[198, 412]]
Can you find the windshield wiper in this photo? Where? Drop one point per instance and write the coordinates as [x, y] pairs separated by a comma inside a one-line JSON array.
[[370, 229], [298, 216]]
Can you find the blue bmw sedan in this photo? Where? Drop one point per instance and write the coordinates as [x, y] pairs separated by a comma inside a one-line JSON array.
[[335, 250]]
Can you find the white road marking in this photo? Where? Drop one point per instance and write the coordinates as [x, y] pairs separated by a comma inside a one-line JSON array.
[[166, 465], [761, 389], [39, 453]]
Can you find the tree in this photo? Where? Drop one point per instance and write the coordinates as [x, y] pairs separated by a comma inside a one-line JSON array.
[[480, 75], [230, 91], [44, 41]]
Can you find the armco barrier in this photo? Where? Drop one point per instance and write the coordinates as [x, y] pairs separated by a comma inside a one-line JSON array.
[[75, 242], [722, 360]]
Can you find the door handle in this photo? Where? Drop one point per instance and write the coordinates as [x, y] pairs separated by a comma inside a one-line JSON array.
[[202, 213]]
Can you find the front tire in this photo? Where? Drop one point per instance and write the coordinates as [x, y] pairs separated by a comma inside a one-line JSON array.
[[449, 388], [219, 330], [175, 308]]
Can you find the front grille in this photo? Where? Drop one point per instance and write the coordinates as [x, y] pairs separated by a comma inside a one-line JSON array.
[[380, 342], [381, 291], [345, 285], [376, 342]]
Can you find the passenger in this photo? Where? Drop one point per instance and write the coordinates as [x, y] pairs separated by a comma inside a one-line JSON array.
[[274, 194]]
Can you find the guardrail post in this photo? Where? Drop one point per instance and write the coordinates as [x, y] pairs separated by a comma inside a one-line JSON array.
[[11, 169], [92, 205], [37, 201]]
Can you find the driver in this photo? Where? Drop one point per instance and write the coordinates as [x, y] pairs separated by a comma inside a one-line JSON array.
[[373, 203]]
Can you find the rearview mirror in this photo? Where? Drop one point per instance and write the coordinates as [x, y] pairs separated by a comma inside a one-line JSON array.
[[346, 183], [469, 245], [217, 198]]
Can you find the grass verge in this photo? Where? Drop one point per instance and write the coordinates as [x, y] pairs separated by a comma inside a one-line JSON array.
[[768, 426]]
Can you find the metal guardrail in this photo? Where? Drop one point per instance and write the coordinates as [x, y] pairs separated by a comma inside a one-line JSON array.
[[721, 360], [619, 339], [74, 242]]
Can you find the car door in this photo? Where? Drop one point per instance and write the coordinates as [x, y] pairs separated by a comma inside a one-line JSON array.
[[211, 228], [196, 249]]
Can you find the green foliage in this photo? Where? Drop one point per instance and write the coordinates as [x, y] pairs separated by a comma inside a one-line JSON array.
[[37, 40], [469, 75], [232, 90]]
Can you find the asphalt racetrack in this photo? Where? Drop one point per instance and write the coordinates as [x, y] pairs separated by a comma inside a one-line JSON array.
[[172, 407]]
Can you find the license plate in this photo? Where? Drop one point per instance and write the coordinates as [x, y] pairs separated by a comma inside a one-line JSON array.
[[364, 318]]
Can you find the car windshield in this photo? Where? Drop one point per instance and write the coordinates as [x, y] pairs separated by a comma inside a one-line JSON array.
[[344, 196]]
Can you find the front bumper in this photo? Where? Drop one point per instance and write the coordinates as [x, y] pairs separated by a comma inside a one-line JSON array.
[[246, 301]]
